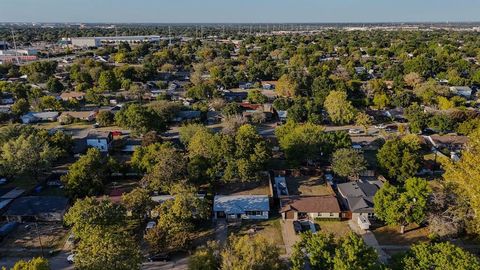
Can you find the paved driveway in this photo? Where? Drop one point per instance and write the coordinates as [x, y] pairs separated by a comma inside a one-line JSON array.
[[221, 231], [289, 236]]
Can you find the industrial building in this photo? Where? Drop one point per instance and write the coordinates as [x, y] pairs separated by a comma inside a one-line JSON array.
[[100, 41]]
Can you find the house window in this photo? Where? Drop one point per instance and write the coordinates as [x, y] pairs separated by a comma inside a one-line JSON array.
[[253, 213], [371, 215], [332, 214]]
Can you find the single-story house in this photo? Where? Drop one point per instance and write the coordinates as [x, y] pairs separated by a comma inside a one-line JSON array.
[[241, 206], [66, 96], [37, 208], [80, 115], [310, 207], [357, 199], [451, 142], [102, 140], [187, 116], [33, 117], [235, 96], [463, 91]]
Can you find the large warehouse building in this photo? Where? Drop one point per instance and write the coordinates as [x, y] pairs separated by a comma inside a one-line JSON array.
[[100, 41]]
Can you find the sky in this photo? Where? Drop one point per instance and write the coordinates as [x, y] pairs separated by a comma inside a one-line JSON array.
[[239, 11]]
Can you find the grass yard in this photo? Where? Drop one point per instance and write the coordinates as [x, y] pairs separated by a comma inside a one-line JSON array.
[[305, 185], [245, 188], [52, 236], [390, 235], [270, 229], [337, 228]]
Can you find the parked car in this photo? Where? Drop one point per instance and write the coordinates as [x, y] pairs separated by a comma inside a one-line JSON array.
[[354, 131], [71, 258], [380, 126], [297, 226], [3, 180], [161, 257]]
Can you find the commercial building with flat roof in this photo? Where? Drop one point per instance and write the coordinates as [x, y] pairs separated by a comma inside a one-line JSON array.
[[99, 41]]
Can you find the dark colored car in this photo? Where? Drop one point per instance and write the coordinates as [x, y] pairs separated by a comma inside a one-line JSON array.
[[158, 257]]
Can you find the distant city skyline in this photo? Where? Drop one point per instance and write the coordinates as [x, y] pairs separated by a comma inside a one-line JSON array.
[[244, 11]]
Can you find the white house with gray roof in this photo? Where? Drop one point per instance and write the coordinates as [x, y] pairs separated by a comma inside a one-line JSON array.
[[241, 206]]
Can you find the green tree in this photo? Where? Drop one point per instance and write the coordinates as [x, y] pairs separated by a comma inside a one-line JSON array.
[[175, 223], [108, 250], [353, 253], [348, 162], [417, 119], [90, 214], [50, 103], [20, 107], [248, 252], [404, 205], [108, 82], [138, 202], [37, 263], [308, 142], [104, 242], [87, 176], [380, 100], [105, 118], [286, 86], [339, 109], [400, 159], [465, 174], [54, 85], [205, 257], [29, 155], [428, 256], [188, 131], [364, 120], [321, 251], [170, 167], [256, 97], [139, 119], [231, 109]]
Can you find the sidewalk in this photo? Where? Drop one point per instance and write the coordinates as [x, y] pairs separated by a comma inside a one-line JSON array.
[[370, 240]]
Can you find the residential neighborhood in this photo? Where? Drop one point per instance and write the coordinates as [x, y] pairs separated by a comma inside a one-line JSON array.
[[239, 146]]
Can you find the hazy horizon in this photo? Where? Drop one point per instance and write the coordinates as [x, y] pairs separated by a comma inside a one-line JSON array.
[[247, 11]]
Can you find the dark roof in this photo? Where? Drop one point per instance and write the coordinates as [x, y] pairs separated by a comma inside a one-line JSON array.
[[35, 205], [189, 114], [360, 204], [96, 134], [310, 204], [357, 189]]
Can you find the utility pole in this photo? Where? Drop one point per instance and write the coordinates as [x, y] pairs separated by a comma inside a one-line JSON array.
[[39, 239]]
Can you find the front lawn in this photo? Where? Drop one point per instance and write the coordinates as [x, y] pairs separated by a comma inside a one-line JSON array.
[[390, 235], [337, 228], [270, 229]]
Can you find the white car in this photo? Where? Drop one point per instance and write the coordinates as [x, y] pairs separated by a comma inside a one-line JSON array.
[[71, 258], [380, 126], [354, 131]]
